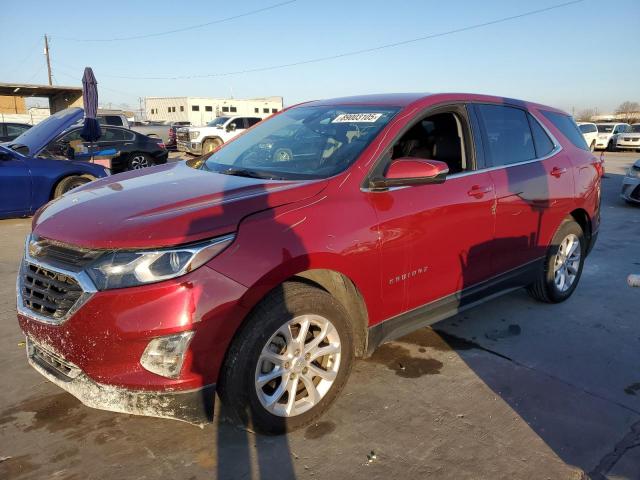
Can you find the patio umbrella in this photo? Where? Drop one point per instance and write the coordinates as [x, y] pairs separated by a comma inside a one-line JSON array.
[[91, 128]]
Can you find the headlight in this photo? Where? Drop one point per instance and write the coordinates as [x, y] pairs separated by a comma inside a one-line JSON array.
[[193, 134], [125, 268]]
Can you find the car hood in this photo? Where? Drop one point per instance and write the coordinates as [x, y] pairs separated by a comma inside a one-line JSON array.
[[168, 205], [38, 136]]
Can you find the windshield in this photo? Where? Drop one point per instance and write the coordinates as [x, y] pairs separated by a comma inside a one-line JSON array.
[[635, 128], [605, 128], [39, 135], [587, 128], [217, 121], [304, 142]]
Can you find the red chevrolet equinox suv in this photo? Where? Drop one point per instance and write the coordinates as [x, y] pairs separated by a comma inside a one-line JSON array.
[[260, 271]]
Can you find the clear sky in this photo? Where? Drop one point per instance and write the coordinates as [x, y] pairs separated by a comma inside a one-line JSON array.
[[579, 56]]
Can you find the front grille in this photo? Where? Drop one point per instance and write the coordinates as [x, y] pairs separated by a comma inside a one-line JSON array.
[[184, 136], [52, 362], [58, 254], [48, 293]]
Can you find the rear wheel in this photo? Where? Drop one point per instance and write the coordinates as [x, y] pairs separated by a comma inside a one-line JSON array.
[[563, 265], [210, 144], [67, 184], [289, 361], [139, 160]]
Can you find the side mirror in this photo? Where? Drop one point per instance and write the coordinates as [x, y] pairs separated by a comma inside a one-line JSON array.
[[231, 127], [408, 171]]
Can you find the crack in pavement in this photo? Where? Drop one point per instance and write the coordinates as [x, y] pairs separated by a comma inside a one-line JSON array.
[[460, 343], [629, 441]]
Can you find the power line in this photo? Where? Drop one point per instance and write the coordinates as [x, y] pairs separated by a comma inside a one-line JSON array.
[[178, 30], [356, 52]]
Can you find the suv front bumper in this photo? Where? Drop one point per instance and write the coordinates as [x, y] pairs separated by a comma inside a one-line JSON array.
[[195, 148], [193, 406]]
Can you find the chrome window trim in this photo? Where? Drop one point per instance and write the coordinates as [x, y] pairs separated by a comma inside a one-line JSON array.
[[87, 286], [557, 148]]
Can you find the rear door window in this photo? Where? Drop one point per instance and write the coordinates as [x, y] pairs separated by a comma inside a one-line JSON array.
[[506, 134], [567, 127], [543, 144], [14, 130], [113, 135]]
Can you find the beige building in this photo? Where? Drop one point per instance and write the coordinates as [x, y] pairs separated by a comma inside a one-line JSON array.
[[10, 104], [201, 110]]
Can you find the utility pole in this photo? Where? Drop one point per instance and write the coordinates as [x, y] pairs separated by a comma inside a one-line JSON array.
[[46, 52]]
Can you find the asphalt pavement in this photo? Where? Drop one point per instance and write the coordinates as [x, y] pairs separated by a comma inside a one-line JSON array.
[[512, 389]]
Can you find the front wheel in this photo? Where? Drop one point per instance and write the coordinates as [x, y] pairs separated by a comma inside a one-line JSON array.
[[210, 144], [562, 266], [289, 361], [68, 184], [592, 147]]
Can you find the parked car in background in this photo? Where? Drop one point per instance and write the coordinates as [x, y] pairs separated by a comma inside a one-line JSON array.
[[608, 135], [11, 130], [29, 179], [630, 140], [172, 144], [153, 129], [631, 184], [114, 119], [201, 140], [263, 276], [590, 133], [118, 149]]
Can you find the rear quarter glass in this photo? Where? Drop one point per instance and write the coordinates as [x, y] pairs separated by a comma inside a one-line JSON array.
[[567, 127]]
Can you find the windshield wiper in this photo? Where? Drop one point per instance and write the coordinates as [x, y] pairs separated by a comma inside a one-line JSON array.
[[241, 172]]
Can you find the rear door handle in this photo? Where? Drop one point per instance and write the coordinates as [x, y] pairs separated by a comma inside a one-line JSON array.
[[557, 171], [479, 191]]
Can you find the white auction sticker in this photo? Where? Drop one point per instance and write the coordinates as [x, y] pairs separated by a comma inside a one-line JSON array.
[[357, 117]]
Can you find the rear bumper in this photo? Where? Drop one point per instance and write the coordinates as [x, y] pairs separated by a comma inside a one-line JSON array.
[[193, 406]]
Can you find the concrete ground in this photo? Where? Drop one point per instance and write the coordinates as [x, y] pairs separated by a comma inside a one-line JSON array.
[[512, 389]]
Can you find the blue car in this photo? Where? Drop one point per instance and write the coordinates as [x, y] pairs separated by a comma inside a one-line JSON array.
[[29, 177]]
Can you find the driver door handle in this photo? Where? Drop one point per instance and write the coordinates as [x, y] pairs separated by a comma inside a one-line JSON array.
[[478, 191]]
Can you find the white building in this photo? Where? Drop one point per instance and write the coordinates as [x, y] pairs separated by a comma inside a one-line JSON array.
[[200, 110]]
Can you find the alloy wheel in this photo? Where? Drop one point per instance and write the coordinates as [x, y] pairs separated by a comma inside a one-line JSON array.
[[138, 162], [567, 262], [298, 365]]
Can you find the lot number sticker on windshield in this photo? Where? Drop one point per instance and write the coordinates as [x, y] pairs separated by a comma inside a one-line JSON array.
[[357, 117]]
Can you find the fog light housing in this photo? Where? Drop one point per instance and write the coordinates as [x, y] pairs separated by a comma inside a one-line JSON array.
[[165, 355]]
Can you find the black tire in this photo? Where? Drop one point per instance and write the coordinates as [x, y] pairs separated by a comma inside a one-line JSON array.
[[139, 160], [69, 183], [592, 147], [544, 288], [611, 147], [237, 383], [210, 144]]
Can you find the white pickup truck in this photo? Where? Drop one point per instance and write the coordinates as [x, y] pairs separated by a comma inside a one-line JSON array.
[[201, 140]]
